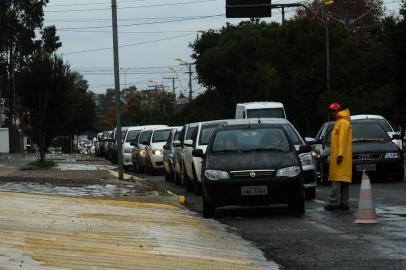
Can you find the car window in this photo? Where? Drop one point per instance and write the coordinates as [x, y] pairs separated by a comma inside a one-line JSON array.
[[364, 132], [132, 135], [194, 135], [169, 140], [176, 137], [161, 135], [293, 136], [189, 133], [368, 131], [251, 139], [320, 132], [266, 113], [145, 136], [182, 134], [206, 133]]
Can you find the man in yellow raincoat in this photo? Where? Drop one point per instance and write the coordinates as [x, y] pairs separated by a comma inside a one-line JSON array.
[[340, 160]]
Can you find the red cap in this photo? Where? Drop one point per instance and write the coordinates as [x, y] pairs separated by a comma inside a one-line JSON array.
[[334, 106]]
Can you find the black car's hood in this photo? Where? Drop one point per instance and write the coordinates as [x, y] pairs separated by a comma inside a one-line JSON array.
[[369, 147], [251, 161]]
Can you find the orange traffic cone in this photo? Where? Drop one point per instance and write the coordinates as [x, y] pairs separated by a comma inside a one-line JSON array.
[[366, 209]]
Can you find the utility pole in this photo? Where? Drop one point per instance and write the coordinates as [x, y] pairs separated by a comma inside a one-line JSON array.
[[190, 82], [326, 30], [347, 15], [173, 91], [117, 90]]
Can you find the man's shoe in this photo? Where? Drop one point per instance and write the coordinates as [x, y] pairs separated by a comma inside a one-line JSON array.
[[344, 206], [331, 207]]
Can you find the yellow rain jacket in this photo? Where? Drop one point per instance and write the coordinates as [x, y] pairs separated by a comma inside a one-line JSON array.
[[341, 145]]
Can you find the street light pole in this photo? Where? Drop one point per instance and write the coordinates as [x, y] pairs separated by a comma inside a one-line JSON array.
[[326, 30], [117, 89]]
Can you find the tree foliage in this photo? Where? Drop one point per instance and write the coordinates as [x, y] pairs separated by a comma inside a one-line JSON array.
[[267, 61], [44, 88]]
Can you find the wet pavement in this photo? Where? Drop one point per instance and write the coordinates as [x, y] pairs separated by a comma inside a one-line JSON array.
[[321, 239]]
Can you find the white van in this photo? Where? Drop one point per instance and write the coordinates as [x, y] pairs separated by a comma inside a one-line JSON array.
[[267, 109]]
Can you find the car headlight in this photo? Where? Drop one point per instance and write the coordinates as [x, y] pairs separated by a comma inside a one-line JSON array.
[[157, 152], [289, 171], [394, 155], [142, 153], [128, 150], [216, 175], [306, 159], [315, 155]]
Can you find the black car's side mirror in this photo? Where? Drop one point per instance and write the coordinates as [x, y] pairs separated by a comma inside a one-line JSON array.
[[310, 141], [304, 149], [198, 153]]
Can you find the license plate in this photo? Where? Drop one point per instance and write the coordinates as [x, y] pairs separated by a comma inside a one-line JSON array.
[[254, 190], [366, 167]]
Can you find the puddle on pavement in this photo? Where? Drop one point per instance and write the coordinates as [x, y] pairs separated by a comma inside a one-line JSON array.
[[106, 190], [392, 212]]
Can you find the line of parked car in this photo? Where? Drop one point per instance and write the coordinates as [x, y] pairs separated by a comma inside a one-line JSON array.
[[251, 160]]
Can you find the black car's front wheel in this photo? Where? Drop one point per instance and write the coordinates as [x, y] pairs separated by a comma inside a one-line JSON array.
[[208, 209]]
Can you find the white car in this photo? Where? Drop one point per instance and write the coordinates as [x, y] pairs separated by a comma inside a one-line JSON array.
[[154, 160], [266, 109], [384, 123], [133, 149], [200, 137], [172, 144]]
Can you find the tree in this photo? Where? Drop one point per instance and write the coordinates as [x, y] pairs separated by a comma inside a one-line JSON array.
[[44, 88], [80, 108]]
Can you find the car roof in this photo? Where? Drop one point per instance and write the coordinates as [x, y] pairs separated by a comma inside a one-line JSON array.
[[146, 127], [367, 116], [252, 121], [177, 128], [261, 104]]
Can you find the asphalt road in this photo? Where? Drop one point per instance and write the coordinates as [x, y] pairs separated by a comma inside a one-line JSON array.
[[320, 239]]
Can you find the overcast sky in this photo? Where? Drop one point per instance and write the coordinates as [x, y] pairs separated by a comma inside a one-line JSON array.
[[152, 32]]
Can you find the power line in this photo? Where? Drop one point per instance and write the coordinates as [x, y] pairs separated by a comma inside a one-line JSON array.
[[127, 45], [146, 6], [124, 19], [93, 3], [129, 32], [135, 24]]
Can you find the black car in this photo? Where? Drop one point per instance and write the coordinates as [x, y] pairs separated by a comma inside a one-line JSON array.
[[251, 164], [373, 151]]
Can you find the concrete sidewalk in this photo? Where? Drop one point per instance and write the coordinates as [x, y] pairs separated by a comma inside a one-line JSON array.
[[58, 232]]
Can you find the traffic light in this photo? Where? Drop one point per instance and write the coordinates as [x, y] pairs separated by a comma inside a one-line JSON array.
[[328, 2], [248, 8]]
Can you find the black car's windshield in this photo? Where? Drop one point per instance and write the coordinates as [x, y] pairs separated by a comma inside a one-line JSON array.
[[205, 134], [132, 135], [294, 137], [161, 135], [250, 139], [364, 132], [266, 113]]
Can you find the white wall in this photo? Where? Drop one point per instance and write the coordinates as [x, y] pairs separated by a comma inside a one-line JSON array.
[[4, 140]]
